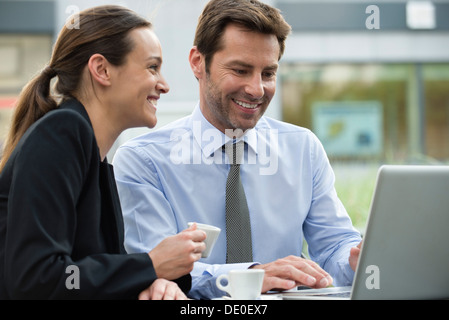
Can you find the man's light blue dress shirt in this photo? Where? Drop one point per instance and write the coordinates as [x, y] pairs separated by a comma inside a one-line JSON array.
[[177, 174]]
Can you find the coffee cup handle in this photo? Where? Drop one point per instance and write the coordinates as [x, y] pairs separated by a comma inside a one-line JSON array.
[[220, 286]]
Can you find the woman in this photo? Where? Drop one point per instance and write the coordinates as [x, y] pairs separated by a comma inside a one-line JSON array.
[[61, 229]]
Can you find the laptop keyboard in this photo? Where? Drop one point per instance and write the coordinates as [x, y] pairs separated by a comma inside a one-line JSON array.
[[332, 292], [335, 294]]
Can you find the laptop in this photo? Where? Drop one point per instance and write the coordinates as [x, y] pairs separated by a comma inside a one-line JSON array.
[[405, 250]]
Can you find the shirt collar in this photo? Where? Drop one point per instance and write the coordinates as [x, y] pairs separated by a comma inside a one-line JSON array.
[[76, 106], [210, 139]]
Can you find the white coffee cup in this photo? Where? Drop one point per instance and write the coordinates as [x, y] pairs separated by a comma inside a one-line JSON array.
[[212, 234], [242, 284]]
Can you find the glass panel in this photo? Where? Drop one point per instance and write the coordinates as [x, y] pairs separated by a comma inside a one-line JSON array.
[[436, 88], [351, 93], [21, 56], [351, 107]]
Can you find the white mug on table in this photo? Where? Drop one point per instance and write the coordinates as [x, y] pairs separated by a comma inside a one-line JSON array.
[[242, 284]]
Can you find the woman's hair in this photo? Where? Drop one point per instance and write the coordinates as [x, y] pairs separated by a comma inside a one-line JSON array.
[[100, 30], [253, 15]]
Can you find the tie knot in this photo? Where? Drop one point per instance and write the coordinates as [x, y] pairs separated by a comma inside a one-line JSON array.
[[234, 152]]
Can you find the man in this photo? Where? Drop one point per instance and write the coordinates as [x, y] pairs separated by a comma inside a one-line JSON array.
[[179, 173]]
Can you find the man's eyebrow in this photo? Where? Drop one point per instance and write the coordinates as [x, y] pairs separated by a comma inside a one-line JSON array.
[[247, 65], [272, 67]]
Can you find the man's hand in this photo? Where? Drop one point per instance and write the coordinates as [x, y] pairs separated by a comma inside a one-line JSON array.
[[162, 289], [354, 256], [286, 273], [174, 256]]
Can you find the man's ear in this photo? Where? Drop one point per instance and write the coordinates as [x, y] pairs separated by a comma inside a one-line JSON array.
[[197, 63], [99, 68]]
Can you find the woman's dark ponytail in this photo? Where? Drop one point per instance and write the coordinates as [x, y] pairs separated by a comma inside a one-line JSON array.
[[34, 102]]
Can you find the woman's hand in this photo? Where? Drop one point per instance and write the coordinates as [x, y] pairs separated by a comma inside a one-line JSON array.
[[175, 255], [162, 289]]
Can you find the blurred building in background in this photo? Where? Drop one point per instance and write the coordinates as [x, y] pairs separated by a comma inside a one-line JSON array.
[[370, 78]]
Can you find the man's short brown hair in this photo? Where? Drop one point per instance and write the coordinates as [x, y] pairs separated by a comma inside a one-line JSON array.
[[252, 15]]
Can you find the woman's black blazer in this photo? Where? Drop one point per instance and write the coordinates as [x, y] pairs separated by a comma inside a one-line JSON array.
[[61, 225]]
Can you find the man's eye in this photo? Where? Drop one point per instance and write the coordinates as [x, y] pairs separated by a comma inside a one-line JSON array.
[[240, 71]]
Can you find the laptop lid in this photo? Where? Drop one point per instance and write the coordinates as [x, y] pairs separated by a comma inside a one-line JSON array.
[[405, 251]]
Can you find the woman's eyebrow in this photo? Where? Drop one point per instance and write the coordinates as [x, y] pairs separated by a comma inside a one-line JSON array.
[[159, 59]]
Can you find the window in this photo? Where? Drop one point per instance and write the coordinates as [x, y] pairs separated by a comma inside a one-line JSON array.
[[22, 57], [369, 114], [387, 112]]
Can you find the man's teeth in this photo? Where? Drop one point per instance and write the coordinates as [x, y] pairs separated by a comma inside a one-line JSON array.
[[246, 105], [152, 101]]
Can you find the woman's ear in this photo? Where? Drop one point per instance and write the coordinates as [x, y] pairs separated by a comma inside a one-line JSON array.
[[99, 68], [197, 63]]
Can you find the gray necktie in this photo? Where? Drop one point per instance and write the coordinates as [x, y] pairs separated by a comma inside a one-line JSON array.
[[238, 227]]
